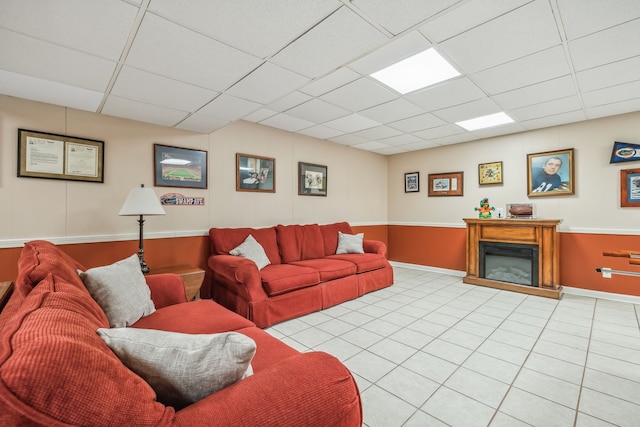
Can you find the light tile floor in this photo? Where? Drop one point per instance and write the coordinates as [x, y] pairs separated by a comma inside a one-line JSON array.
[[433, 351]]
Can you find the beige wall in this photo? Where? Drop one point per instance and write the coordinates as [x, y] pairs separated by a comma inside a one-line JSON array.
[[595, 208], [70, 212]]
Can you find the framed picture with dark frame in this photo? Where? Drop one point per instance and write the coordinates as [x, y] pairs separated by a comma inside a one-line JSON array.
[[255, 173], [624, 152], [490, 173], [53, 156], [550, 173], [630, 188], [312, 179], [446, 184], [179, 167], [412, 182]]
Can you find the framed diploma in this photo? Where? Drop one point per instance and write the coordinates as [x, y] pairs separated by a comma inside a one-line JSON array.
[[52, 156]]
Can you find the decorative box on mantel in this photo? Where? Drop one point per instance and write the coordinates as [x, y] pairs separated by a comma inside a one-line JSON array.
[[520, 255]]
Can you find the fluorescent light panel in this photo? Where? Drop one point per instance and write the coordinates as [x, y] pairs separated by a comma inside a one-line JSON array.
[[420, 70], [485, 121]]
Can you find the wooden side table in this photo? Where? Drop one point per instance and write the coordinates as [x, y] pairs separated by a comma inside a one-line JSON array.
[[191, 276], [6, 289]]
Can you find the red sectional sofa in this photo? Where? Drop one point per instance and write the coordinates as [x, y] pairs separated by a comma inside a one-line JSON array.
[[56, 371], [304, 275]]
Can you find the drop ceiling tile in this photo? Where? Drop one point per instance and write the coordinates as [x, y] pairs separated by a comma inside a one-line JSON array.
[[172, 51], [227, 107], [352, 123], [134, 110], [43, 60], [466, 16], [581, 18], [320, 132], [446, 94], [378, 132], [268, 83], [403, 139], [510, 37], [330, 82], [536, 93], [348, 139], [619, 72], [470, 110], [392, 111], [439, 132], [400, 15], [49, 92], [417, 123], [370, 146], [259, 115], [99, 28], [614, 109], [318, 111], [613, 94], [396, 50], [201, 124], [606, 46], [335, 41], [289, 101], [391, 150], [555, 120], [359, 95], [259, 27], [498, 130], [454, 139], [421, 145], [285, 122], [550, 108], [153, 89], [541, 66]]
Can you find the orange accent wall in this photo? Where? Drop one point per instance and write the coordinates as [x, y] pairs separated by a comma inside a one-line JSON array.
[[433, 246], [373, 232]]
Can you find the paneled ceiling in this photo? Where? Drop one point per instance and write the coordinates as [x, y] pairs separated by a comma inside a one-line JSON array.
[[304, 65]]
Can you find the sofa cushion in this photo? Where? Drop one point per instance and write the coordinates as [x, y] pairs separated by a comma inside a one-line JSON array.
[[53, 362], [299, 242], [121, 290], [182, 368], [223, 240], [283, 278], [350, 243], [330, 235], [363, 262], [252, 250], [329, 269]]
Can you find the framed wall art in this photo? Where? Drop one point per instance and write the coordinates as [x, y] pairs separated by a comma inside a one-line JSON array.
[[412, 182], [624, 152], [490, 173], [255, 173], [53, 156], [630, 188], [179, 167], [312, 179], [550, 173], [446, 184]]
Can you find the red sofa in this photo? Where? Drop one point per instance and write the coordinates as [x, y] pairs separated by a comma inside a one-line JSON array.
[[55, 370], [304, 274]]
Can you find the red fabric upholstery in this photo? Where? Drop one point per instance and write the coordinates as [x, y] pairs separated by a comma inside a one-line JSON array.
[[281, 278], [299, 242], [330, 235], [363, 262], [285, 306], [329, 269], [166, 289], [224, 240]]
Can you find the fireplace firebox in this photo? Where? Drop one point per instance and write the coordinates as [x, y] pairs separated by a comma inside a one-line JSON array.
[[509, 262]]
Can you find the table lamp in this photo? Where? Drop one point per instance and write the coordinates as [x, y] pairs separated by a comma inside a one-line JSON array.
[[141, 201]]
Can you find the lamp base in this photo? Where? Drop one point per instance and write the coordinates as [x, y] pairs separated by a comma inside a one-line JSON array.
[[143, 263]]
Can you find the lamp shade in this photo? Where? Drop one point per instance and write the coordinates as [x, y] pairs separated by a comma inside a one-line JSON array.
[[142, 201]]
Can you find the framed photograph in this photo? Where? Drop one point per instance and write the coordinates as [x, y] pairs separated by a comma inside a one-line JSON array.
[[412, 182], [255, 173], [490, 173], [52, 156], [312, 179], [446, 184], [550, 173], [624, 152], [179, 167], [630, 188]]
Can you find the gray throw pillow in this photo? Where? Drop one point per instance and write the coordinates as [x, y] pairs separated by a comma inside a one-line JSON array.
[[182, 368], [350, 243], [121, 290], [252, 250]]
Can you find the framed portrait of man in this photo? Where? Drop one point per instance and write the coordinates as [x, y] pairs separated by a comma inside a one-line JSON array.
[[551, 173]]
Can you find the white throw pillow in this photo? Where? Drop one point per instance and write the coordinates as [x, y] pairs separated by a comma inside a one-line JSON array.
[[182, 368], [350, 243], [252, 250], [121, 290]]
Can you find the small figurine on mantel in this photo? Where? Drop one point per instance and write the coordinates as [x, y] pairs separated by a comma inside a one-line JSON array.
[[484, 211]]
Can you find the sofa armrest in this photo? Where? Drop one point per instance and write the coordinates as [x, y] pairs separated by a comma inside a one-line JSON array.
[[166, 289], [374, 247], [239, 275], [308, 389]]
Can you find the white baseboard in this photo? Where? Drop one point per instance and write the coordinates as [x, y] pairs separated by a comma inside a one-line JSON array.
[[428, 268]]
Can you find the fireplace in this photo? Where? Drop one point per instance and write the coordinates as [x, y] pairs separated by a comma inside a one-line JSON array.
[[509, 262]]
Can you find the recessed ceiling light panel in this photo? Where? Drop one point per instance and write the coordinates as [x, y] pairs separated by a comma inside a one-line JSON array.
[[420, 70], [488, 121]]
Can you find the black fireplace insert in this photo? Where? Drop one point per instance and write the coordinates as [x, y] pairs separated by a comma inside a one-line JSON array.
[[509, 262]]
